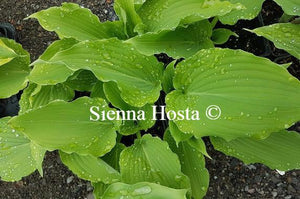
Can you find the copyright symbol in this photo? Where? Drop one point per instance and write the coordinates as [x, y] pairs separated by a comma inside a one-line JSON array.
[[213, 112]]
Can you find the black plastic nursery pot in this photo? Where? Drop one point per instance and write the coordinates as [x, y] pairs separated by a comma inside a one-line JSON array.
[[229, 177]]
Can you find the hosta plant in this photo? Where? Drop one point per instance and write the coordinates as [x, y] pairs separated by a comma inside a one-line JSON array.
[[242, 102]]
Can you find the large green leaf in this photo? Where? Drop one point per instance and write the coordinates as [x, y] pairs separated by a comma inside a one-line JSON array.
[[90, 168], [199, 145], [38, 154], [255, 96], [13, 70], [97, 90], [35, 96], [221, 35], [6, 53], [181, 42], [138, 3], [127, 14], [57, 46], [112, 158], [167, 82], [67, 126], [16, 159], [290, 7], [44, 94], [112, 94], [151, 160], [24, 101], [138, 76], [55, 73], [285, 36], [193, 165], [143, 190], [130, 126], [281, 150], [167, 14], [99, 189], [82, 80], [252, 8], [72, 21], [46, 73], [178, 135]]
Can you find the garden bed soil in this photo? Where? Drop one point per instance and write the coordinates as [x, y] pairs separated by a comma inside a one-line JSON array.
[[229, 177]]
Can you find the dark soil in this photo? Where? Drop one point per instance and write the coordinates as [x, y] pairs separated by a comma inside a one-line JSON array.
[[230, 178]]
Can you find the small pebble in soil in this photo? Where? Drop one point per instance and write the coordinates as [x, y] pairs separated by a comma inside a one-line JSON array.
[[90, 196], [70, 179], [251, 191], [251, 166], [280, 172], [291, 189], [274, 194]]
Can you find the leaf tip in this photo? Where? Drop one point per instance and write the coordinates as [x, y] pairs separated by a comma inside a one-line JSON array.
[[32, 16]]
